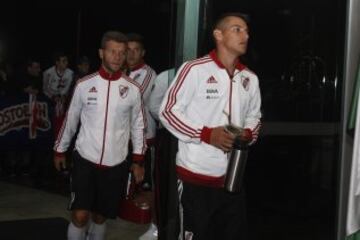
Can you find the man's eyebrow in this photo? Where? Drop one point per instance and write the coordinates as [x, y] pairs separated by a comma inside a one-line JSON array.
[[237, 25]]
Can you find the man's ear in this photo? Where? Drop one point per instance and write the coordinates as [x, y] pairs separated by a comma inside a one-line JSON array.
[[217, 34], [143, 53], [101, 53]]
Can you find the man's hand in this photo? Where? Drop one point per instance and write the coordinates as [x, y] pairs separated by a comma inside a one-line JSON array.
[[138, 172], [60, 162], [222, 139]]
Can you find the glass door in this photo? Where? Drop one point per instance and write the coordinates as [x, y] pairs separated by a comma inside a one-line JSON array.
[[296, 49]]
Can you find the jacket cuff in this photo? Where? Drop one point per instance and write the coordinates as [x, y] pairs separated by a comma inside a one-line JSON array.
[[59, 154], [205, 134], [248, 135], [138, 158]]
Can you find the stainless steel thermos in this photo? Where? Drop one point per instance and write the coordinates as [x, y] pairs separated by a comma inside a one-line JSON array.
[[237, 162]]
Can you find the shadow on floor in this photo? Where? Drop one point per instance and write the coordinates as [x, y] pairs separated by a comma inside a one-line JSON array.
[[34, 229]]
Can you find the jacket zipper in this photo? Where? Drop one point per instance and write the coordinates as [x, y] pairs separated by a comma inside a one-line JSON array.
[[105, 123], [230, 99]]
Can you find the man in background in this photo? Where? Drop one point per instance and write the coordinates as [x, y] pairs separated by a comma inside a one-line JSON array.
[[57, 81], [144, 75]]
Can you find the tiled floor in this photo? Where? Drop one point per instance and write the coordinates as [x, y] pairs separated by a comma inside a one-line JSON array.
[[21, 202], [286, 200]]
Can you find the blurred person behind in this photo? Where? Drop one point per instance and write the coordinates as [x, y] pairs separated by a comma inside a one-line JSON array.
[[82, 70], [58, 78], [82, 67], [57, 81], [35, 158], [31, 81], [164, 174], [144, 75], [8, 83]]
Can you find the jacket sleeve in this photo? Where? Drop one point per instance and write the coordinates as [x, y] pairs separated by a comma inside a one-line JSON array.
[[138, 125], [146, 89], [160, 86], [253, 116], [46, 85], [148, 84], [65, 90], [173, 108], [70, 123]]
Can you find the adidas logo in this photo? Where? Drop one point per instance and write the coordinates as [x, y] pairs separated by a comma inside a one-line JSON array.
[[211, 80], [93, 89]]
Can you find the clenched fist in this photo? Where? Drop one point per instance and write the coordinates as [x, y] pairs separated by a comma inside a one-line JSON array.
[[222, 139]]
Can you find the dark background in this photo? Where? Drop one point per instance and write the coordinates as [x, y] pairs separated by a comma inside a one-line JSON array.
[[40, 28]]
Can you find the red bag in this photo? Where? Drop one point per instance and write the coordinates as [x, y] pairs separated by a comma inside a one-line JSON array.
[[136, 206]]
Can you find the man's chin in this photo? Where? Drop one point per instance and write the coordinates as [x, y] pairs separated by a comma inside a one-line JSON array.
[[115, 68], [112, 69], [242, 51], [131, 64]]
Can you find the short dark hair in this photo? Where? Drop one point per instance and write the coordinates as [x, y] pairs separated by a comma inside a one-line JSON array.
[[30, 61], [58, 54], [136, 37], [113, 36], [222, 17], [83, 59]]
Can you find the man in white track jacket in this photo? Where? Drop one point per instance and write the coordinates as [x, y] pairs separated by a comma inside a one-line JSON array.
[[56, 86], [207, 94], [144, 75], [109, 107]]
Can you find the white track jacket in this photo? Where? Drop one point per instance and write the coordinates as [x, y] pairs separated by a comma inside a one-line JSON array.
[[110, 109], [201, 97], [144, 75], [55, 84], [161, 84]]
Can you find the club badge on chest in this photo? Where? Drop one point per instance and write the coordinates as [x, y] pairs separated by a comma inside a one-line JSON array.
[[123, 91]]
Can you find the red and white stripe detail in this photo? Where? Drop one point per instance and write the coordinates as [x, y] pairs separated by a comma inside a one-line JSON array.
[[255, 133], [148, 77], [168, 114], [61, 132], [145, 126], [130, 80]]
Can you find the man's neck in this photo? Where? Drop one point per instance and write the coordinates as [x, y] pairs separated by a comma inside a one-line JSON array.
[[60, 71], [227, 59], [136, 66]]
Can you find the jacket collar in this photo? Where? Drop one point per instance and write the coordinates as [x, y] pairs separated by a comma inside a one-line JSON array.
[[214, 57], [138, 66], [108, 76]]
